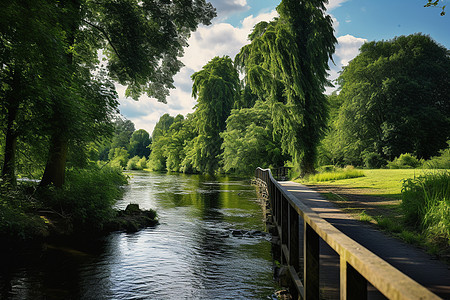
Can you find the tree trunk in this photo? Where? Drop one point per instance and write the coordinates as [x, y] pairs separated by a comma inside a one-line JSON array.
[[307, 162], [9, 163], [56, 163], [55, 168], [12, 107]]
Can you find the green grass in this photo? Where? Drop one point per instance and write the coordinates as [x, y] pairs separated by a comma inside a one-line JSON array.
[[377, 182], [335, 175], [426, 204], [419, 216]]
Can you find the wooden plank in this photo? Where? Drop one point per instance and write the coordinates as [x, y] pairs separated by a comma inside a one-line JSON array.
[[311, 261], [294, 239], [297, 282], [353, 286]]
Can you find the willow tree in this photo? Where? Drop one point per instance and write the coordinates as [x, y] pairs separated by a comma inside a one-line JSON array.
[[286, 63], [216, 88]]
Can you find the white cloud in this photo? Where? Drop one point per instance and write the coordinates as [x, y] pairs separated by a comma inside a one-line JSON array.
[[332, 4], [346, 49]]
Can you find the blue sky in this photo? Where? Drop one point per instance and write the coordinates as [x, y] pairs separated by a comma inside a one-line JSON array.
[[355, 22]]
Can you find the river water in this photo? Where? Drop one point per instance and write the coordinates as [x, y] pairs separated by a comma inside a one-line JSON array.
[[192, 254]]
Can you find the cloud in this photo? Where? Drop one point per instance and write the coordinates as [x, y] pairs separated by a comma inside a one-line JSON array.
[[226, 8], [332, 4], [346, 49]]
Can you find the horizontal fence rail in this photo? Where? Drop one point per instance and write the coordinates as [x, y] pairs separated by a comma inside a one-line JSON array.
[[357, 264]]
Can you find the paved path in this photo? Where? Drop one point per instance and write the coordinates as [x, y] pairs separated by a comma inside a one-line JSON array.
[[412, 261]]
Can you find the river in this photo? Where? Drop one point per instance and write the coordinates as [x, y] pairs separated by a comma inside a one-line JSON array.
[[191, 254]]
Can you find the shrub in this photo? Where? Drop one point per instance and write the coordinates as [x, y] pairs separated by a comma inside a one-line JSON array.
[[16, 214], [426, 203], [373, 160], [346, 173], [441, 161], [142, 163], [405, 161], [327, 168], [87, 196], [132, 163]]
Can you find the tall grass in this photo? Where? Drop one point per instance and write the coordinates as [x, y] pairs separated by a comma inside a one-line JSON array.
[[337, 174], [426, 203]]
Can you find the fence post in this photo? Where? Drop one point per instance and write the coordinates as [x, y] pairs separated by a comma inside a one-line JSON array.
[[294, 238], [311, 263], [353, 286]]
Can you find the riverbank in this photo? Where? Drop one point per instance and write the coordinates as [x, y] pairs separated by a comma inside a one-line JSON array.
[[83, 206]]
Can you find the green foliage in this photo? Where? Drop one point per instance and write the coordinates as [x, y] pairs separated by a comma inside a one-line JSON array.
[[405, 161], [436, 3], [373, 160], [395, 97], [441, 161], [118, 157], [426, 203], [17, 218], [139, 143], [286, 63], [142, 163], [137, 163], [87, 197], [249, 140], [216, 88], [338, 174]]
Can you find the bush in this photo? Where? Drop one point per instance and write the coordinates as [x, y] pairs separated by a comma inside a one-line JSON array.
[[327, 168], [405, 161], [373, 160], [441, 161], [132, 163], [142, 163], [16, 214], [346, 173], [426, 203], [87, 196]]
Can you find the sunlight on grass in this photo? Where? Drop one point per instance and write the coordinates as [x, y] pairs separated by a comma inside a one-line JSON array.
[[337, 175], [382, 182]]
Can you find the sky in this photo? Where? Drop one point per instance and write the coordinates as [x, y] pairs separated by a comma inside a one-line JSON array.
[[354, 22]]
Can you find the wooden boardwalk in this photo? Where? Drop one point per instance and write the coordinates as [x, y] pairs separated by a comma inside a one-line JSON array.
[[329, 255], [413, 262]]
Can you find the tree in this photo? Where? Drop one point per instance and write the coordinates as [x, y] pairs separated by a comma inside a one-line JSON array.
[[249, 140], [396, 98], [30, 49], [139, 144], [142, 41], [287, 62], [157, 158], [216, 88]]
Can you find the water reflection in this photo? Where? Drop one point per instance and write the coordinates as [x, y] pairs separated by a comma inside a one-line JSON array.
[[190, 255]]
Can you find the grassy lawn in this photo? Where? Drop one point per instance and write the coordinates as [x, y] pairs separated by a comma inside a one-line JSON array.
[[378, 182]]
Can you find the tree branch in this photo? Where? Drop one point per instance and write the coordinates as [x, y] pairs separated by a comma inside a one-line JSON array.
[[106, 36]]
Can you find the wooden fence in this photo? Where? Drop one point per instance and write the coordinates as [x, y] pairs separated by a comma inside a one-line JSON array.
[[357, 264]]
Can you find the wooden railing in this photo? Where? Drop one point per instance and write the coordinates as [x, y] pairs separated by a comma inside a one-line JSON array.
[[357, 264], [281, 173]]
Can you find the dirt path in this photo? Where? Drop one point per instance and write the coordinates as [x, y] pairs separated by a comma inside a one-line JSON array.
[[355, 201]]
